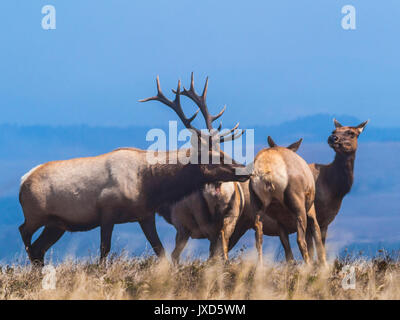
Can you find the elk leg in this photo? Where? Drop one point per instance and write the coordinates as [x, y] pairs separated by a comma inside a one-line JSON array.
[[181, 239], [301, 223], [316, 233], [213, 248], [26, 230], [296, 204], [235, 237], [284, 237], [106, 233], [48, 237], [26, 235], [324, 231], [262, 190], [310, 240], [240, 227], [224, 242], [219, 246], [259, 237], [228, 228], [149, 229]]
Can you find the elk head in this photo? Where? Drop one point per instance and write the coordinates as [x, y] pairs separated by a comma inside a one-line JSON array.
[[344, 138], [205, 153]]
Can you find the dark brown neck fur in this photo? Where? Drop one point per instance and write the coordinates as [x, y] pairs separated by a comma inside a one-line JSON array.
[[168, 183], [340, 173]]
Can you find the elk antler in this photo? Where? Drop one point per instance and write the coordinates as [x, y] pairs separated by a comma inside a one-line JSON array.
[[174, 105], [201, 102]]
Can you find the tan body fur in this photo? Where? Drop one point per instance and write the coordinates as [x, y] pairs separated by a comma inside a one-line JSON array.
[[210, 213], [282, 175]]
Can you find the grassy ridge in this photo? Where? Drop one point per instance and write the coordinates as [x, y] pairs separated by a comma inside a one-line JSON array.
[[240, 278]]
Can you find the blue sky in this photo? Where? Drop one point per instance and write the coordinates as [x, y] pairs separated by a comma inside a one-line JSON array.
[[269, 61]]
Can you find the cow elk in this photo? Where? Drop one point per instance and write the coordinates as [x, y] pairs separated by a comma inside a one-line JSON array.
[[282, 176], [333, 181], [120, 186], [247, 220], [210, 213]]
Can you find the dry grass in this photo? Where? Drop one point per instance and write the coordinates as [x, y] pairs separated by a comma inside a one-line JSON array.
[[147, 278]]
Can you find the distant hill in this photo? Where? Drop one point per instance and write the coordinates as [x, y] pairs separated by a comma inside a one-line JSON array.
[[24, 147], [42, 142], [318, 127]]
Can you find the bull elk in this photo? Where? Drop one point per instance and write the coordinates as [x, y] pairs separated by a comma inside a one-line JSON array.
[[121, 186]]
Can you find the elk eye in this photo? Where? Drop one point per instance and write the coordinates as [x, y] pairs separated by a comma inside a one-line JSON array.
[[351, 133]]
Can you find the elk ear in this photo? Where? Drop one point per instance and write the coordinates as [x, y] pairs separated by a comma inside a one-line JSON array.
[[337, 124], [271, 142], [295, 146], [361, 126]]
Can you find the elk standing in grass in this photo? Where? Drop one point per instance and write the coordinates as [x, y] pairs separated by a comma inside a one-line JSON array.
[[210, 213], [246, 220], [118, 187], [281, 176], [332, 183]]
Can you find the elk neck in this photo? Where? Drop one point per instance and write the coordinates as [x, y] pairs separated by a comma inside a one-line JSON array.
[[168, 183], [341, 173]]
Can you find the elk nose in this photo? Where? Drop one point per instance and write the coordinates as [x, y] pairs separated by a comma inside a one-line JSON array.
[[333, 138]]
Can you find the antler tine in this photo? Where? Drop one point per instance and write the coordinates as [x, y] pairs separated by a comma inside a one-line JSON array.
[[186, 121], [232, 137], [230, 131], [201, 102], [159, 97], [219, 114], [204, 94], [174, 105]]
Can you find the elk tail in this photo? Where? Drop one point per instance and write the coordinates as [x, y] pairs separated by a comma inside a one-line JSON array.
[[263, 181]]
